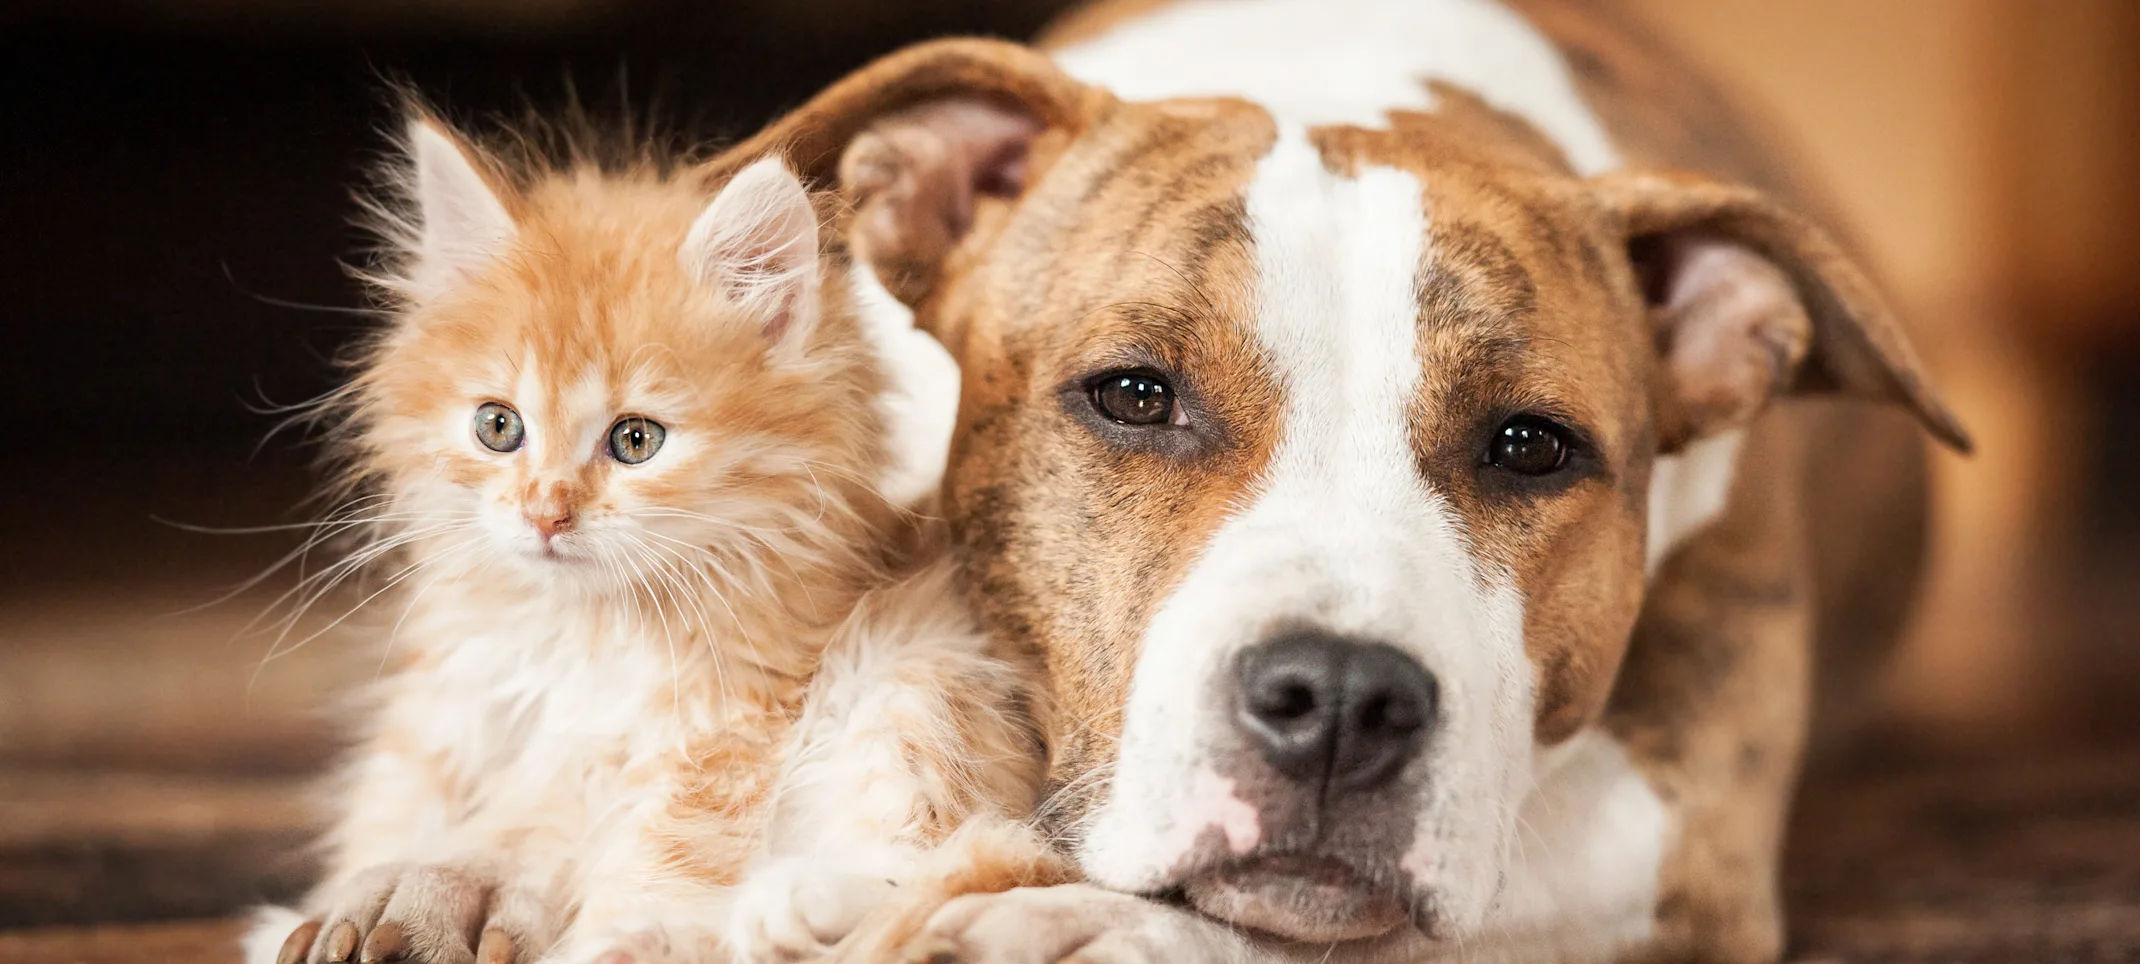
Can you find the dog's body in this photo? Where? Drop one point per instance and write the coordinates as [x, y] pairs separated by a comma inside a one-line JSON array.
[[1368, 433]]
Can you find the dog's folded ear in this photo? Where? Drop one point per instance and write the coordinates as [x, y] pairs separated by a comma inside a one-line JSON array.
[[920, 140], [1749, 301]]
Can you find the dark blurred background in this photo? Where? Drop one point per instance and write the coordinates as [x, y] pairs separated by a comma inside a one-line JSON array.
[[174, 206]]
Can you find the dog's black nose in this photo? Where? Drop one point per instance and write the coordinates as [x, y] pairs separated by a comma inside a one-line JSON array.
[[1327, 708]]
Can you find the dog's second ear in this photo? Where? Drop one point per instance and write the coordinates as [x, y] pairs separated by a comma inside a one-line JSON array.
[[920, 139], [915, 176], [1748, 301]]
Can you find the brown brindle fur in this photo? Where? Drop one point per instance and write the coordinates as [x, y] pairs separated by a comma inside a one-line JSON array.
[[1069, 563]]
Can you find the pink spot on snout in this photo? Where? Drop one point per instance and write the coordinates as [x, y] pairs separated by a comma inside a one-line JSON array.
[[1211, 802]]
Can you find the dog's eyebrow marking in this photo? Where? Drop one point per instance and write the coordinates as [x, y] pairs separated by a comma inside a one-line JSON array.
[[1140, 333], [1160, 220], [1470, 356], [1474, 271], [1193, 284], [1213, 225], [1114, 165]]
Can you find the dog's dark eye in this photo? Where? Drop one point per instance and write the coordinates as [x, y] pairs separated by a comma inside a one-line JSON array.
[[634, 440], [1529, 445], [1134, 398], [499, 428]]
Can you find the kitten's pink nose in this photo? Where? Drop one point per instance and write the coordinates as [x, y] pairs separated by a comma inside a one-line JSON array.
[[549, 521]]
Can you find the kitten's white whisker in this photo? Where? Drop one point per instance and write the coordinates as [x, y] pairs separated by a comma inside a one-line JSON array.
[[713, 648], [320, 533], [277, 650], [395, 634], [311, 588]]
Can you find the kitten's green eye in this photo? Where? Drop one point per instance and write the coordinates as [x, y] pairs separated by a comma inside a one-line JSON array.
[[498, 427], [634, 440]]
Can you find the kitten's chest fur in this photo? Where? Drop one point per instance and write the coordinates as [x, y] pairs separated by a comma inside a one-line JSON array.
[[548, 715]]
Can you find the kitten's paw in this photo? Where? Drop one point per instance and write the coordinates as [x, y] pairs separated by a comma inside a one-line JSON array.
[[426, 914], [1071, 924], [797, 908]]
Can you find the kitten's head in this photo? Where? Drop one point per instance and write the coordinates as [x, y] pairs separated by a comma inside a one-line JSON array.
[[609, 381]]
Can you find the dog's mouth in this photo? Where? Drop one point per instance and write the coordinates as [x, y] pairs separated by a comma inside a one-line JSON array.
[[1304, 897]]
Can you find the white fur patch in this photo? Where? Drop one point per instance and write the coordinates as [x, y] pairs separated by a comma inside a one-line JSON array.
[[1688, 491], [1345, 535], [920, 404], [1317, 62], [1583, 882]]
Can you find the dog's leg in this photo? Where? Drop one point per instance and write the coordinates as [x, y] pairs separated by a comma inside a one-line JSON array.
[[913, 727], [1711, 705]]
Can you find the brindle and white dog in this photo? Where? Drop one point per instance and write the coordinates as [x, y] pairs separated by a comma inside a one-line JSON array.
[[1368, 422]]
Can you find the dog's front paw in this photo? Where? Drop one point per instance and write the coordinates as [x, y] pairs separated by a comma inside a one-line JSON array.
[[426, 914], [797, 908], [1070, 924]]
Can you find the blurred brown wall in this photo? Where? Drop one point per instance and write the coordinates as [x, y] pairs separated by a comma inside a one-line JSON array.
[[1983, 151]]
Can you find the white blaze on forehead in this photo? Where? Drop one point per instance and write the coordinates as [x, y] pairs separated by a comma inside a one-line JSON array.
[[1345, 535], [1320, 62]]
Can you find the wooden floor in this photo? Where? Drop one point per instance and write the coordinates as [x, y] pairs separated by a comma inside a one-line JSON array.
[[2017, 863], [154, 772]]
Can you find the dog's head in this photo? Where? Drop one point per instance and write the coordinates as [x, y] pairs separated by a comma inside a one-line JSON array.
[[1316, 463]]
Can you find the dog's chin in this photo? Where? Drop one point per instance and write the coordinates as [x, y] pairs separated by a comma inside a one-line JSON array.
[[1303, 898]]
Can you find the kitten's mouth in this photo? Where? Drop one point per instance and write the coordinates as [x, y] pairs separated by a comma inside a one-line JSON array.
[[554, 551]]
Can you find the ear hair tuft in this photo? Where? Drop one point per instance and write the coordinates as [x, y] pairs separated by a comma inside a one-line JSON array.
[[756, 246], [443, 216]]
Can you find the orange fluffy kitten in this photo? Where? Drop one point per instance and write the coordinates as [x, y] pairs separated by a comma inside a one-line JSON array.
[[657, 692]]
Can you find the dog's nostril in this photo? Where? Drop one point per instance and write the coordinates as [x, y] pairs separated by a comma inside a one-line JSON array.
[[1375, 715], [1288, 689], [1385, 713], [1391, 701], [1288, 701]]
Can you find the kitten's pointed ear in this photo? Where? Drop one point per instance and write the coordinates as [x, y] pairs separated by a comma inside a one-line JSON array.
[[756, 246], [460, 223]]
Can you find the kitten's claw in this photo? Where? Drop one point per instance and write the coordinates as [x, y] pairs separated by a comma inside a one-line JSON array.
[[496, 947], [295, 946], [386, 942], [341, 942]]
